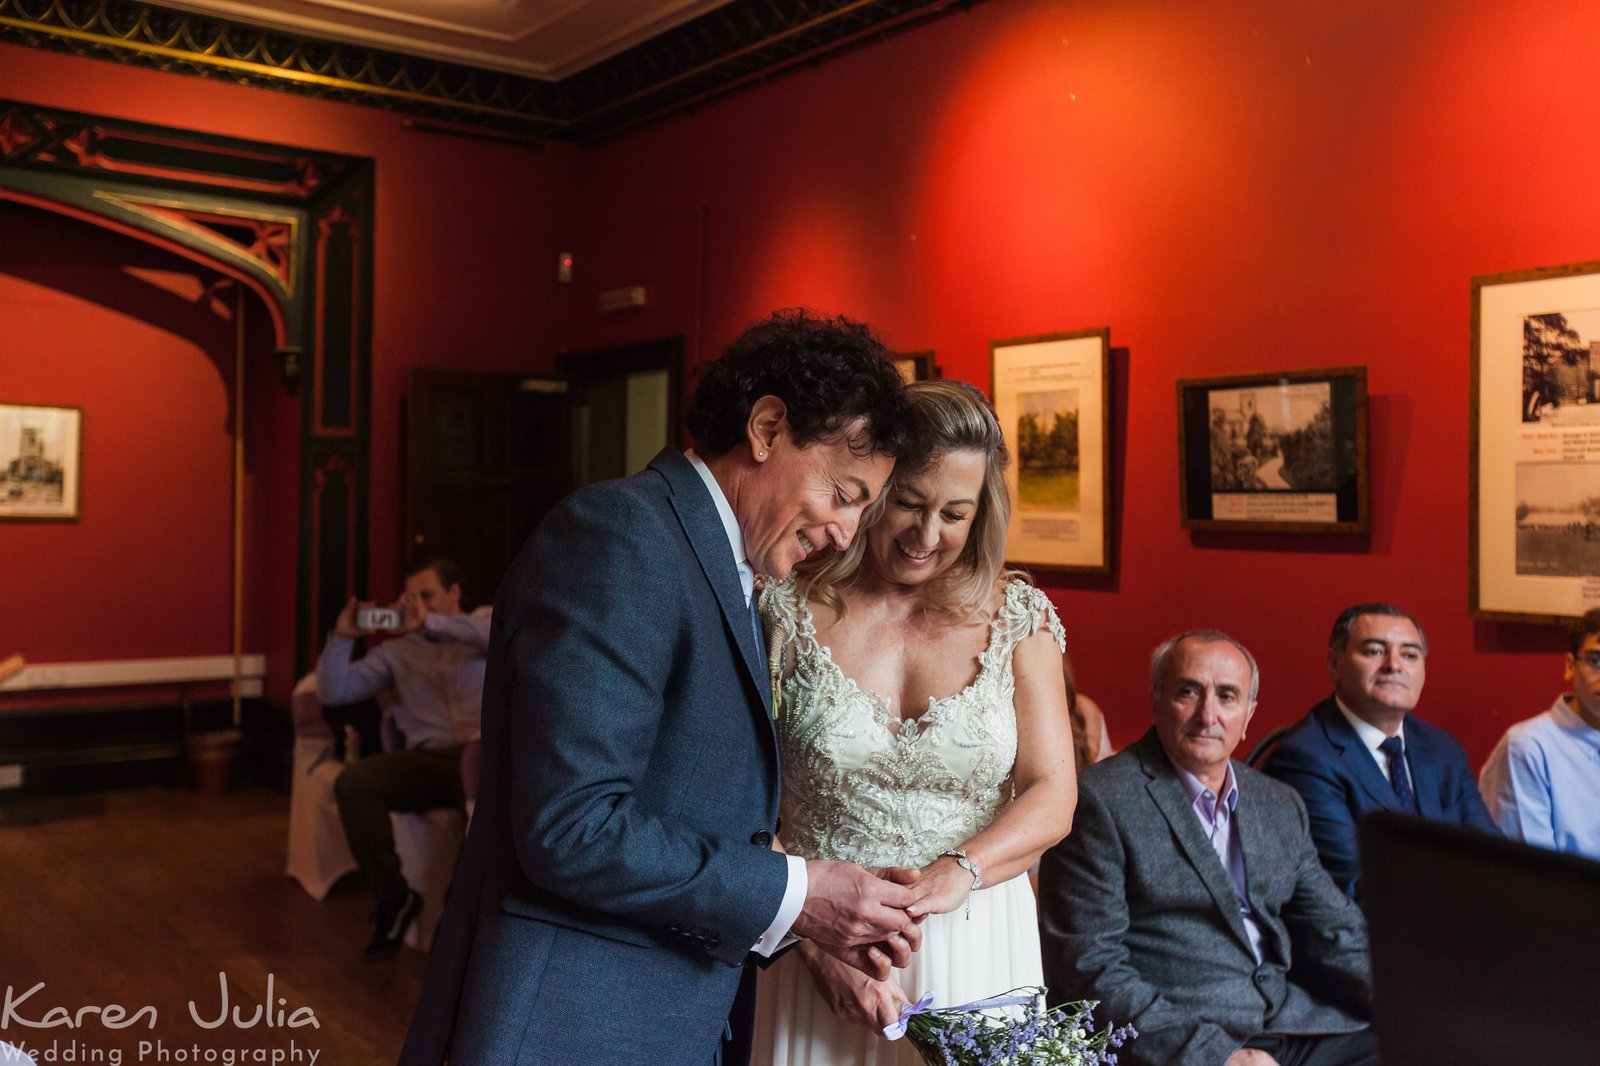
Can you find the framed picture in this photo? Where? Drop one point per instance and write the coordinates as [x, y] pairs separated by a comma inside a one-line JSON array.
[[1052, 396], [1284, 452], [916, 366], [40, 449], [1534, 531]]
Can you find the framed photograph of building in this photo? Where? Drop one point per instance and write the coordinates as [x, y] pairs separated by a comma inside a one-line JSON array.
[[40, 449], [1052, 396], [1534, 526], [916, 366], [1282, 452]]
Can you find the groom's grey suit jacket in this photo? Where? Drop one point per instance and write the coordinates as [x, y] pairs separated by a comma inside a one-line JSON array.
[[1138, 912], [619, 864]]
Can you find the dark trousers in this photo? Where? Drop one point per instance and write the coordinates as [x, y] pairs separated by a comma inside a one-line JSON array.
[[1327, 1049], [417, 779]]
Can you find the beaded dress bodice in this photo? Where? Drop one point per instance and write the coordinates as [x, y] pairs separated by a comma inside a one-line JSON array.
[[862, 785]]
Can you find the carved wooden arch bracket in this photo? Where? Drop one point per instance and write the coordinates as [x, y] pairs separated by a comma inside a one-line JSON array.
[[244, 208], [291, 224]]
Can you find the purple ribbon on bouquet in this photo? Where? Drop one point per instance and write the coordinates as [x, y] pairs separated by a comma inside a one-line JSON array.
[[897, 1029]]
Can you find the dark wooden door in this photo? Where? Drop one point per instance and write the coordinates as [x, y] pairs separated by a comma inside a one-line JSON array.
[[487, 455]]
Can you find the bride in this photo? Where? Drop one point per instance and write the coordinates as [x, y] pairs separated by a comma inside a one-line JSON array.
[[922, 724]]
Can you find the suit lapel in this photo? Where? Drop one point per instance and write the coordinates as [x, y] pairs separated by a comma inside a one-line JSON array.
[[1167, 791], [703, 526], [1354, 756], [1426, 776]]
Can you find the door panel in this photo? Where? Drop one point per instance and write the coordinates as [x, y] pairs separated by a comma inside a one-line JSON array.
[[487, 456]]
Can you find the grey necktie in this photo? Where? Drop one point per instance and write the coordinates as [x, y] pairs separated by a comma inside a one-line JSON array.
[[755, 623]]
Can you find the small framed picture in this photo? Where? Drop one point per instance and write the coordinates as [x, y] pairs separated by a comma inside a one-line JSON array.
[[916, 366], [1282, 452], [40, 449], [1534, 530], [1052, 396]]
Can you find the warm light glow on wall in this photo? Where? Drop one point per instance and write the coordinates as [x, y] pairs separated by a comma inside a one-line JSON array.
[[811, 256]]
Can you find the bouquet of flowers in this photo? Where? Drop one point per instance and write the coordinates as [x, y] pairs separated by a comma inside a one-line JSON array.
[[993, 1032]]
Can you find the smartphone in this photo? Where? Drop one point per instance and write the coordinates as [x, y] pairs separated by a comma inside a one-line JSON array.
[[377, 618]]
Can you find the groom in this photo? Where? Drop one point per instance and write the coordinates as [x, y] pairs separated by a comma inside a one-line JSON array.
[[619, 871]]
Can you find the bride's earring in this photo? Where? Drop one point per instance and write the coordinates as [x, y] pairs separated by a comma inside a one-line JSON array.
[[761, 455]]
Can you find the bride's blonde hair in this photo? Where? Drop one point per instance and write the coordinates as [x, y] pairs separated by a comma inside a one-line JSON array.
[[949, 416]]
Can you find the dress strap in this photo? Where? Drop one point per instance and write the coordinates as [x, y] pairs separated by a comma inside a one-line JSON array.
[[1026, 608], [782, 605]]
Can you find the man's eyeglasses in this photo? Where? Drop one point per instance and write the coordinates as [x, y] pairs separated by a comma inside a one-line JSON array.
[[1589, 661]]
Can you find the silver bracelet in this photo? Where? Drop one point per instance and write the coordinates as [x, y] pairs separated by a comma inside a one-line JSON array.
[[960, 856]]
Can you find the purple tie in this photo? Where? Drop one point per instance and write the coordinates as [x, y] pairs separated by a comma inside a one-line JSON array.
[[1395, 750]]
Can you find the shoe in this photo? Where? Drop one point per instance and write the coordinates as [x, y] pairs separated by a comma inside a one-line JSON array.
[[389, 926]]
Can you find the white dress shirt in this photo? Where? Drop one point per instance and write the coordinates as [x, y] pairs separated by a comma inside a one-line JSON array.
[[794, 895], [1372, 736]]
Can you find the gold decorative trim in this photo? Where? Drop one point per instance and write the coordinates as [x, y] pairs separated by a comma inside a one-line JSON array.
[[264, 70], [715, 53]]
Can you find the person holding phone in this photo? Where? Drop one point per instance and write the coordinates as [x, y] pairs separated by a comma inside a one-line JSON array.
[[434, 665]]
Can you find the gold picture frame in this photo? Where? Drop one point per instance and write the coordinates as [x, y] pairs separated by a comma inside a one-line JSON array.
[[1052, 395], [1534, 444], [41, 449]]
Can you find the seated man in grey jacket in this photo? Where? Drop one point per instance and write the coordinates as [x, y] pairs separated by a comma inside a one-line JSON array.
[[1188, 898]]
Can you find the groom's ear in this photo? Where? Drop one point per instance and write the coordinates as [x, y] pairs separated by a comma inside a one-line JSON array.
[[768, 422]]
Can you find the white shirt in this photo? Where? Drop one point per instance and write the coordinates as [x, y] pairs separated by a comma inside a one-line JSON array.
[[794, 895], [1372, 736]]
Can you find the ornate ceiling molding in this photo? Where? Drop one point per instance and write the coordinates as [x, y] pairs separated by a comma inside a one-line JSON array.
[[719, 52]]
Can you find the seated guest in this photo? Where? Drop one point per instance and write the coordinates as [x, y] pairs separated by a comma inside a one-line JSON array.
[[1091, 737], [1542, 783], [1188, 898], [434, 664], [1362, 749]]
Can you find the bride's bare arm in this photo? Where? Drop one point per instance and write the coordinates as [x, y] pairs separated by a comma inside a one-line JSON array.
[[1045, 781]]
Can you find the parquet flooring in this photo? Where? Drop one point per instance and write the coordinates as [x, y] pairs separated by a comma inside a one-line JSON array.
[[143, 898]]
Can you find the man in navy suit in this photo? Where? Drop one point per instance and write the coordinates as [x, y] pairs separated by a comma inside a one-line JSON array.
[[620, 868], [1363, 750]]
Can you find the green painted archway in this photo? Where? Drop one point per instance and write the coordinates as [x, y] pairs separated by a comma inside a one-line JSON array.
[[294, 226]]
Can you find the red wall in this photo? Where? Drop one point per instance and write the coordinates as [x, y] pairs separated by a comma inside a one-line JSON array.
[[1230, 187], [467, 233], [138, 573]]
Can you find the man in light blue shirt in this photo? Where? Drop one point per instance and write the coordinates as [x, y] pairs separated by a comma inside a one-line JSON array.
[[1542, 783], [434, 664]]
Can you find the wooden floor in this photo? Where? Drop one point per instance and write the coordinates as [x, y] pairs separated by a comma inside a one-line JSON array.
[[142, 898]]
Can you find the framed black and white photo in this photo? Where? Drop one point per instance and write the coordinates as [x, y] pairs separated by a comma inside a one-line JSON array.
[[1534, 532], [916, 366], [1052, 396], [40, 450], [1282, 452]]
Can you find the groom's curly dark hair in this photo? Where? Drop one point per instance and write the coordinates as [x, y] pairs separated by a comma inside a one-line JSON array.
[[829, 371]]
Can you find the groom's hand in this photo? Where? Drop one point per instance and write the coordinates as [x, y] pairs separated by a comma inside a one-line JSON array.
[[849, 907], [900, 875], [874, 960]]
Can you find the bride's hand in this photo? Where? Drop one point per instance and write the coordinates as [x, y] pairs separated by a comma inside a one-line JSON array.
[[850, 994], [900, 875], [943, 887]]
